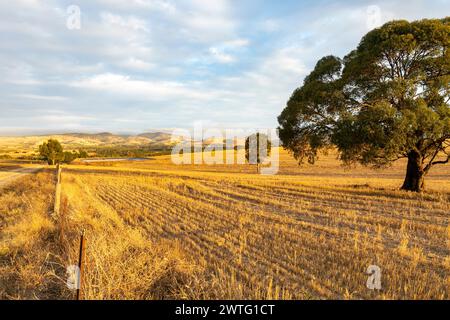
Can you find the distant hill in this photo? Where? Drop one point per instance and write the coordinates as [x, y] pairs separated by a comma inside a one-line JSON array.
[[92, 135], [30, 144], [18, 146], [156, 136]]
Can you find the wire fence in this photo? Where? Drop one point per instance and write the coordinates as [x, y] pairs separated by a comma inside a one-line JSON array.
[[74, 272]]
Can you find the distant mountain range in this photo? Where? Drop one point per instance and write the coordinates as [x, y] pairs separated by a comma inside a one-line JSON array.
[[89, 141], [98, 140], [107, 138]]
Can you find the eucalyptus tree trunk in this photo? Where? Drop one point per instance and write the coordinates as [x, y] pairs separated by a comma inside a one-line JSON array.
[[415, 174]]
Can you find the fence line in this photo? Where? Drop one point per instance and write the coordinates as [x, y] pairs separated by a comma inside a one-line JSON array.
[[57, 206], [82, 251]]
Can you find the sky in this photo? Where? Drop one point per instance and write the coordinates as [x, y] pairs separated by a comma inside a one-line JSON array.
[[140, 65]]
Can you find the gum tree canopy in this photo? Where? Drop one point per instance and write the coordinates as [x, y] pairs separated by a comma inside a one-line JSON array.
[[51, 151], [386, 100]]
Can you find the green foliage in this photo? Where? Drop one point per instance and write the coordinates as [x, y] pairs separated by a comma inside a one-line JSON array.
[[257, 142], [69, 156], [51, 151], [82, 154], [385, 100], [130, 152], [308, 121]]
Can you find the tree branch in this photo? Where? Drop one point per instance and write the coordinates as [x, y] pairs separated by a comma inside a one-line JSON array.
[[441, 162], [431, 163]]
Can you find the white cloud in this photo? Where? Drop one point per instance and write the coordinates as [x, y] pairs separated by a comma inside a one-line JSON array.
[[19, 73], [129, 23], [29, 3], [40, 97], [116, 84], [66, 119], [220, 56], [157, 5], [224, 52], [137, 64], [236, 43], [206, 21]]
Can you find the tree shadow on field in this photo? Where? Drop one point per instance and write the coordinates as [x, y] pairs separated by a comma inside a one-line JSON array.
[[392, 193]]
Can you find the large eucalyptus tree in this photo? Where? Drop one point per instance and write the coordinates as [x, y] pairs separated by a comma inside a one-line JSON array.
[[386, 100]]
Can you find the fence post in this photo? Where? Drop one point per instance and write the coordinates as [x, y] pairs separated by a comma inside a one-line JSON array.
[[57, 192], [81, 259], [59, 169]]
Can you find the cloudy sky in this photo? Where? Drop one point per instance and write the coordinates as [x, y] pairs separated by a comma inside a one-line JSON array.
[[137, 65]]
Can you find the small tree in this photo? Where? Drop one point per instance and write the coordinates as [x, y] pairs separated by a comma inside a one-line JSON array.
[[254, 149], [51, 151]]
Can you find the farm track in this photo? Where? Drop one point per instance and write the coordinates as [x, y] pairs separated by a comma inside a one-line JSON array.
[[14, 174]]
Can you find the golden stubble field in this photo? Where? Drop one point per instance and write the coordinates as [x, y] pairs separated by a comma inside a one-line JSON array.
[[156, 230]]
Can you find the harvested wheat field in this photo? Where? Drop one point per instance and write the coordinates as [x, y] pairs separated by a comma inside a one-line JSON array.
[[159, 231], [290, 236]]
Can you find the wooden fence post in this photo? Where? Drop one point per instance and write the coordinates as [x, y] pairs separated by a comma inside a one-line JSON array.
[[59, 169], [57, 193], [81, 261]]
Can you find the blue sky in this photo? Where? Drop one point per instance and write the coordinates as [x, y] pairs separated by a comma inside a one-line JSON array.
[[159, 64]]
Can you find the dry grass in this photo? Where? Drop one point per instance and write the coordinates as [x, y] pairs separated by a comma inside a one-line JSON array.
[[36, 247], [160, 231], [121, 262], [29, 261], [286, 236]]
